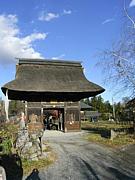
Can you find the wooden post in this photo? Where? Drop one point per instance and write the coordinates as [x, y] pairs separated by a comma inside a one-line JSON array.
[[65, 116], [6, 105], [25, 110], [79, 108], [42, 114]]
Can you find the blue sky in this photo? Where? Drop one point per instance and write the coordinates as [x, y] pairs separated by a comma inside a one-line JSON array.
[[59, 29]]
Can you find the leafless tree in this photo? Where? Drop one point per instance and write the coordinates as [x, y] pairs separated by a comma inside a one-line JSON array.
[[119, 62]]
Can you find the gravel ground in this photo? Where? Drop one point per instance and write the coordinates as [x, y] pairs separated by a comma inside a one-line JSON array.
[[79, 159]]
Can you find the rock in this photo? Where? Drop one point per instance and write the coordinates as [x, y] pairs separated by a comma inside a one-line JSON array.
[[34, 159], [28, 145], [113, 134]]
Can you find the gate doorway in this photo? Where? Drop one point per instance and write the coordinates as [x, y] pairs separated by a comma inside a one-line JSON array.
[[53, 118]]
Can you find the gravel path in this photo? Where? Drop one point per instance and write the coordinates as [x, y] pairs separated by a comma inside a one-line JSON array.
[[79, 159]]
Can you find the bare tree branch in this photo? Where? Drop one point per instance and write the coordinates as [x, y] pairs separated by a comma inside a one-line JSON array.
[[118, 63], [128, 16]]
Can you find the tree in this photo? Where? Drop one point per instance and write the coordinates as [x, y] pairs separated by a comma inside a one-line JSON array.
[[98, 104], [86, 101], [93, 102], [119, 61], [108, 107], [15, 107]]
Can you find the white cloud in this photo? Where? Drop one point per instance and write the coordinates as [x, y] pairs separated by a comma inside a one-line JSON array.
[[58, 57], [47, 16], [43, 16], [12, 45], [67, 11], [107, 21], [132, 3]]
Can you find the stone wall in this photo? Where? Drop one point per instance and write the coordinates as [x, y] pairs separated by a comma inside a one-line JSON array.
[[29, 146], [29, 143]]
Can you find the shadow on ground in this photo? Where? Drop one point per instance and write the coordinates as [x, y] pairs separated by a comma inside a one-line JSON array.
[[89, 171], [33, 175], [120, 175], [85, 169], [12, 165]]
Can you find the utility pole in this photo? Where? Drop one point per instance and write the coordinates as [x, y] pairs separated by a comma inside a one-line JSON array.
[[113, 109]]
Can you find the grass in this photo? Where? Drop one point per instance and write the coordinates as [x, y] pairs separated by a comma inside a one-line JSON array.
[[47, 149], [43, 163], [103, 125], [7, 154], [28, 166], [96, 129], [16, 167], [119, 141]]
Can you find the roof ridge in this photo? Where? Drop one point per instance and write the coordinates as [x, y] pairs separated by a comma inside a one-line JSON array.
[[48, 61]]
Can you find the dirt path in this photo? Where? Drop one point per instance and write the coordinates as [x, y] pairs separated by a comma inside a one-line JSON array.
[[82, 160]]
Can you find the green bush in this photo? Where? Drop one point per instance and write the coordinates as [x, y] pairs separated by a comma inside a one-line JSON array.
[[8, 135], [6, 146]]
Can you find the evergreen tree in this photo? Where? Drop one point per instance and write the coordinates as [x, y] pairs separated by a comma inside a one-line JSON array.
[[15, 107]]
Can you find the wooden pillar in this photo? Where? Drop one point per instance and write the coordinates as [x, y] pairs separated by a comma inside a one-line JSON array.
[[72, 116], [25, 111], [65, 116], [79, 108], [6, 105], [42, 113]]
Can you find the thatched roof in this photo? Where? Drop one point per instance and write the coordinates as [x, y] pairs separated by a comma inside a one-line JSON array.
[[45, 80]]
